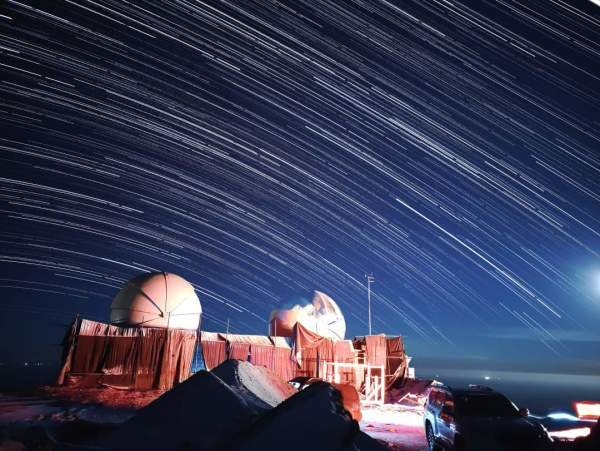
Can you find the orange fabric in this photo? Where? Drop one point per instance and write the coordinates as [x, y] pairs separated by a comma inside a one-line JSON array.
[[281, 342], [325, 354], [213, 353], [351, 400], [209, 336], [302, 338], [271, 352], [262, 356], [238, 351], [119, 355], [396, 361], [344, 353], [138, 357], [308, 364], [375, 350], [68, 345], [177, 357], [247, 339], [395, 354], [310, 350], [88, 354], [283, 365]]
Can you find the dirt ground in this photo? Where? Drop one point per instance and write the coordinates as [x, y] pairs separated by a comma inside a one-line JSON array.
[[106, 397], [74, 415], [399, 427]]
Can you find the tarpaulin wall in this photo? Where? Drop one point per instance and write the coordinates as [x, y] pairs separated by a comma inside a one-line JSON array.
[[270, 352], [396, 363], [306, 353], [141, 358], [386, 351], [310, 351]]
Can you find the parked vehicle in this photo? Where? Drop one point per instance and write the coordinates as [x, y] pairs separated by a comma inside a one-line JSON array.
[[480, 419]]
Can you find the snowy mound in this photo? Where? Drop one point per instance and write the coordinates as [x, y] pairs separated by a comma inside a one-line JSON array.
[[197, 414], [209, 414], [313, 419], [258, 385], [412, 392]]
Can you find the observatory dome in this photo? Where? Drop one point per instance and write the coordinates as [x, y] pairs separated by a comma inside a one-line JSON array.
[[157, 300], [322, 316]]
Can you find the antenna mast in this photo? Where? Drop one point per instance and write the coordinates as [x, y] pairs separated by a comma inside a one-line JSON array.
[[370, 280]]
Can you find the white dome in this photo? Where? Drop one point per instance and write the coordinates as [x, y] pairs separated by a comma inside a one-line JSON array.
[[157, 300], [322, 316]]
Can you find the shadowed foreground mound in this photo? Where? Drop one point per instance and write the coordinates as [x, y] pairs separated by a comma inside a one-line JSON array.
[[206, 414], [313, 419], [259, 386], [195, 415]]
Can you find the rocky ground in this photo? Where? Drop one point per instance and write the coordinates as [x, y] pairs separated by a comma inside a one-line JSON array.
[[399, 427], [50, 417], [76, 415]]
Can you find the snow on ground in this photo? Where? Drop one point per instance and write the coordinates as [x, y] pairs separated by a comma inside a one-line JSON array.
[[195, 414], [257, 381], [21, 408], [312, 419], [104, 396], [400, 427], [43, 410]]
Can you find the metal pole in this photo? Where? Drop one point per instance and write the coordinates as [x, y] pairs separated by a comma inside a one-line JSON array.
[[369, 295], [370, 279]]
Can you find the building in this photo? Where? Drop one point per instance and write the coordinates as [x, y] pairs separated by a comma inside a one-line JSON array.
[[149, 344], [154, 335]]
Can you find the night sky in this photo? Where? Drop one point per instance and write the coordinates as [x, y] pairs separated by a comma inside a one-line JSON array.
[[263, 150]]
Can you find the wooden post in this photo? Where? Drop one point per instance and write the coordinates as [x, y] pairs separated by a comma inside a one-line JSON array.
[[368, 385], [382, 385]]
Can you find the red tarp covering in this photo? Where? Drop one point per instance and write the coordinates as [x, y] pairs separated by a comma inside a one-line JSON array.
[[395, 354], [262, 355], [283, 365], [310, 351], [344, 353], [259, 350], [302, 339], [143, 358], [308, 362], [89, 351], [375, 350], [177, 358], [238, 351], [214, 353], [306, 355], [396, 360], [383, 351], [68, 345]]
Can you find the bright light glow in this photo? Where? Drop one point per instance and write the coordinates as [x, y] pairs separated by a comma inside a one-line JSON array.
[[487, 378], [562, 416], [391, 414], [596, 279], [587, 410], [570, 434]]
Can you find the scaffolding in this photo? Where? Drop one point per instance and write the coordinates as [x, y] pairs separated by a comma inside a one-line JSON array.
[[373, 387]]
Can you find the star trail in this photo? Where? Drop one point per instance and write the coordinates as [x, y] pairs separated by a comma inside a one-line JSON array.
[[265, 149]]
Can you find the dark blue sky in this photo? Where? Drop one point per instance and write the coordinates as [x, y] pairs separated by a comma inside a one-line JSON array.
[[263, 150]]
